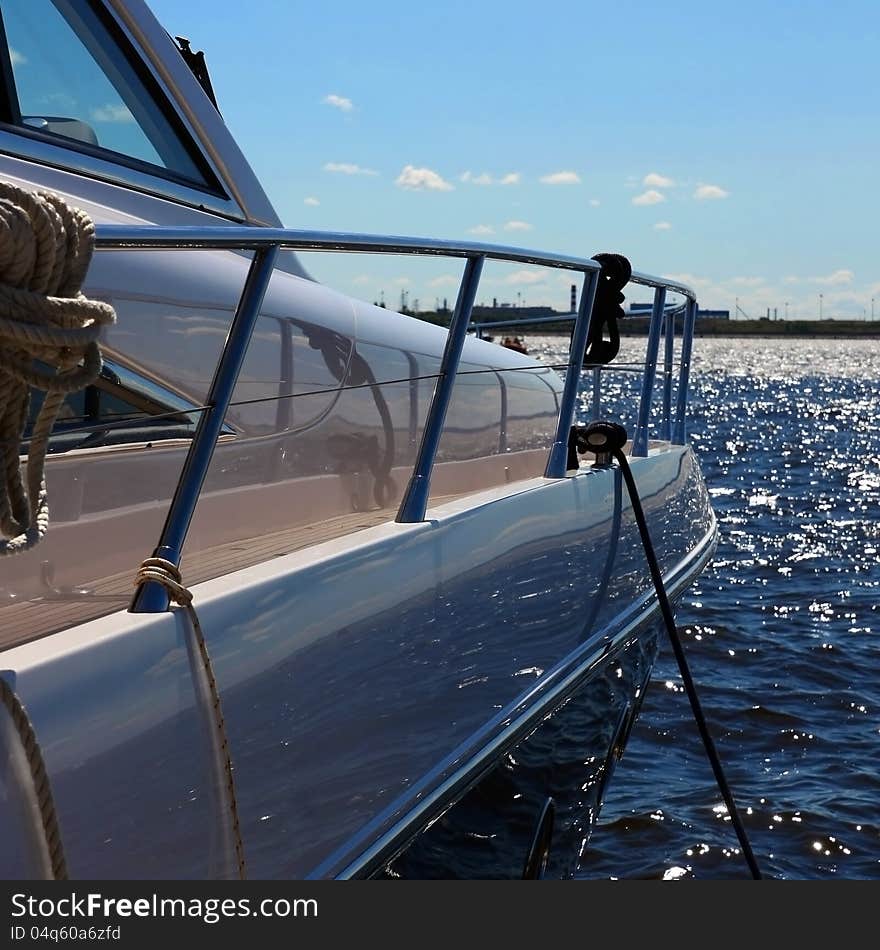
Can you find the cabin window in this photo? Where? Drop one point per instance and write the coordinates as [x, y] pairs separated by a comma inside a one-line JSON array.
[[120, 407], [68, 81]]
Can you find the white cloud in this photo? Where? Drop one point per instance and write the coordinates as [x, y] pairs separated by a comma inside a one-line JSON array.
[[59, 103], [662, 226], [482, 229], [402, 281], [594, 202], [421, 179], [484, 178], [561, 178], [348, 168], [525, 277], [445, 280], [18, 59], [748, 281], [791, 279], [517, 226], [312, 202], [653, 180], [363, 279], [835, 279], [112, 113], [691, 280], [650, 197], [339, 102], [708, 192]]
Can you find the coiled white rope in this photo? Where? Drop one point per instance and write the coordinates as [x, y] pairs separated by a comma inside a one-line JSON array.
[[45, 250]]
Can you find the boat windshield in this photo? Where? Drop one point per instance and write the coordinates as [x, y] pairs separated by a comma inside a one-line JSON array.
[[67, 78]]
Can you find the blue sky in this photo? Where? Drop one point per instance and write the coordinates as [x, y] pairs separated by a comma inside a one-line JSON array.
[[734, 146]]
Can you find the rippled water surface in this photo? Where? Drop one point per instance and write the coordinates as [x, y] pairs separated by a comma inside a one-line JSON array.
[[782, 631]]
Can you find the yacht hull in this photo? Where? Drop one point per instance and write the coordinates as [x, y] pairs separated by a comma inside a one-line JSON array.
[[367, 682]]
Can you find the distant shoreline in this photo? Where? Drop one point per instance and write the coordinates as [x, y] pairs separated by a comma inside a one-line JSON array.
[[778, 329], [705, 326]]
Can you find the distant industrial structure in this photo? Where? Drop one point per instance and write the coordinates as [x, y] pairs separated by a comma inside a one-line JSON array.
[[504, 313], [644, 310], [500, 311]]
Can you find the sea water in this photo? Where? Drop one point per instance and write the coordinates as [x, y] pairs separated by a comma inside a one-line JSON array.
[[782, 631]]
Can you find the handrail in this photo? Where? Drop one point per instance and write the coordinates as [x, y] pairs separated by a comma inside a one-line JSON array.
[[265, 242], [123, 236], [239, 237], [663, 283]]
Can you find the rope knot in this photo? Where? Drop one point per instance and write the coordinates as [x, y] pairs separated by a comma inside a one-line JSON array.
[[49, 335], [607, 309], [167, 574]]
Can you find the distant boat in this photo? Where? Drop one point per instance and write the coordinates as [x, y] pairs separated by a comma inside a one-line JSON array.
[[515, 343]]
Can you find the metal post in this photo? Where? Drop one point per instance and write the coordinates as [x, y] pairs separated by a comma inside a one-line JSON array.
[[559, 450], [151, 597], [415, 500], [640, 437], [668, 353], [679, 435]]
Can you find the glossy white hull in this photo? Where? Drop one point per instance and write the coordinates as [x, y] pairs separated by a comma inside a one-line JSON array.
[[397, 581], [362, 679]]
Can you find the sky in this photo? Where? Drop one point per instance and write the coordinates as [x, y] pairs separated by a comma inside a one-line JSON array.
[[733, 147]]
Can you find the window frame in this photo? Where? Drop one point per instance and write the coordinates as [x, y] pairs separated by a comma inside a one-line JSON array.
[[71, 155], [144, 394]]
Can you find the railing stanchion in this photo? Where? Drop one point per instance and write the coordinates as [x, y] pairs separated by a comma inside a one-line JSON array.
[[668, 354], [559, 450], [679, 434], [151, 597], [640, 436], [415, 499]]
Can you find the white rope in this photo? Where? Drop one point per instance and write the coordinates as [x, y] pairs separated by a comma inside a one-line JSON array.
[[45, 250], [166, 573]]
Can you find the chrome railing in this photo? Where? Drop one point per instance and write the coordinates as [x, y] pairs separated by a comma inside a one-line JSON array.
[[266, 242]]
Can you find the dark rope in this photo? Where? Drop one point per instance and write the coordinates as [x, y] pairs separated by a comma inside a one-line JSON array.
[[40, 777], [608, 438], [607, 310], [383, 487]]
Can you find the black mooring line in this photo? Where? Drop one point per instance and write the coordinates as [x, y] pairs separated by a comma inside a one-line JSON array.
[[609, 438]]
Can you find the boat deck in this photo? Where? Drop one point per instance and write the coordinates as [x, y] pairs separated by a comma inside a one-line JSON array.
[[59, 609]]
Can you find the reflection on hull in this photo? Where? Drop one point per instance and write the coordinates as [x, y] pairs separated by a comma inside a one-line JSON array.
[[569, 758], [406, 599], [358, 710]]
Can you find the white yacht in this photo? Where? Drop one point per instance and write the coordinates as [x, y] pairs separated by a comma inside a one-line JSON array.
[[421, 619]]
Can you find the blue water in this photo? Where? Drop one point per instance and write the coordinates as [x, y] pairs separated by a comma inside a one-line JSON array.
[[782, 631]]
